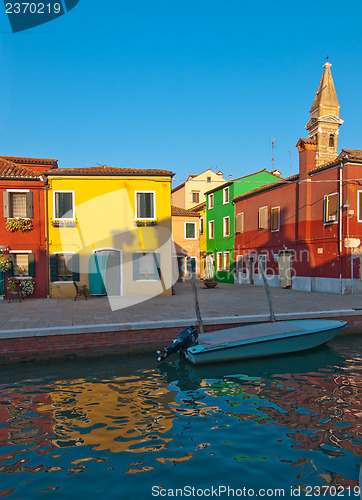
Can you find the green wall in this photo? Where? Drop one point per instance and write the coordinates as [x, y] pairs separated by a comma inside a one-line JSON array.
[[222, 243]]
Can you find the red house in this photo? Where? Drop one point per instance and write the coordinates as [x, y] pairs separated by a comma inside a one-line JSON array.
[[22, 226], [305, 230]]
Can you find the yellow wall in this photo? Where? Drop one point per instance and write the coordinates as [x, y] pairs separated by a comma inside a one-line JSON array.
[[104, 218]]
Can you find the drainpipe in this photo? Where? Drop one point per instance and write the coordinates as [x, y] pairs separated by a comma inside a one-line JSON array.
[[340, 226], [46, 186]]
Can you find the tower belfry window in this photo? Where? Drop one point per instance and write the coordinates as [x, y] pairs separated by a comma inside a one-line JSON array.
[[331, 141]]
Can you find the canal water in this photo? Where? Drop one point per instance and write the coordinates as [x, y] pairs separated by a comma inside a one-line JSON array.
[[127, 427]]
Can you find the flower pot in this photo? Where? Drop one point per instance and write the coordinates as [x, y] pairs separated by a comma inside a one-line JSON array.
[[210, 284]]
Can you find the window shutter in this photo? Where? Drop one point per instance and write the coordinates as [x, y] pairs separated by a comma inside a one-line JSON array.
[[332, 207], [6, 203], [263, 218], [29, 205], [136, 265], [53, 267], [75, 267], [156, 257], [274, 219], [360, 206], [10, 272], [31, 262]]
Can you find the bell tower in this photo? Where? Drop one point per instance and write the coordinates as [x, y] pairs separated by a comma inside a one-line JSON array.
[[324, 119]]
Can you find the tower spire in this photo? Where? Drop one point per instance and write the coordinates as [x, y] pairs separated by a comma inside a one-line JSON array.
[[324, 119]]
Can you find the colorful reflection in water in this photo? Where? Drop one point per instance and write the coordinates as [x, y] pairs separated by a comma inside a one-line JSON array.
[[120, 427]]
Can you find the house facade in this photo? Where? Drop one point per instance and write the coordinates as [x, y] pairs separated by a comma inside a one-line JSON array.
[[110, 229], [185, 233], [221, 222], [191, 193], [201, 210], [306, 230], [22, 228]]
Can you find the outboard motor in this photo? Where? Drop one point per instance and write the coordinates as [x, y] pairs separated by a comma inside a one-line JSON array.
[[185, 339]]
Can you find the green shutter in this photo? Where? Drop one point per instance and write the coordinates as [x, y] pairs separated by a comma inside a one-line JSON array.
[[31, 261], [53, 267], [156, 257], [136, 265], [75, 267], [29, 205], [6, 203], [10, 272]]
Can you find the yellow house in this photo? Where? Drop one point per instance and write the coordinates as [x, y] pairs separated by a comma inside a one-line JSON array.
[[201, 211], [185, 233], [110, 229], [192, 192]]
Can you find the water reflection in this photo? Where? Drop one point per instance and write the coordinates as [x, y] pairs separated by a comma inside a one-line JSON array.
[[300, 414]]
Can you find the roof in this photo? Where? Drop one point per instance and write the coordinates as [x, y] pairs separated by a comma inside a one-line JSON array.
[[30, 161], [239, 179], [345, 156], [192, 176], [105, 170], [11, 171], [326, 94], [273, 185], [199, 207], [178, 211]]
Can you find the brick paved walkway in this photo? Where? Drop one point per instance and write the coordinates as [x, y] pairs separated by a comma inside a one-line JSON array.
[[223, 301]]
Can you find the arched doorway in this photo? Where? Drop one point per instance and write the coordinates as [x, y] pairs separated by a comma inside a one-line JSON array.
[[105, 272]]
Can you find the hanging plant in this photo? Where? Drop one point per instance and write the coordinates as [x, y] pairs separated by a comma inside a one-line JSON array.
[[5, 263], [27, 287], [19, 224]]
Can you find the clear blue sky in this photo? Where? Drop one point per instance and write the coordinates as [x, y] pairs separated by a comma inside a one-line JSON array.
[[178, 85]]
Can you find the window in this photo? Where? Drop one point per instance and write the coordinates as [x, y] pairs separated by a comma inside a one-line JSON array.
[[202, 222], [226, 261], [263, 218], [359, 202], [64, 267], [190, 265], [208, 179], [331, 141], [226, 226], [23, 264], [190, 230], [145, 205], [64, 205], [219, 261], [18, 203], [331, 208], [146, 266], [275, 219], [195, 196], [211, 229], [239, 263], [262, 263], [211, 201], [239, 223], [225, 195]]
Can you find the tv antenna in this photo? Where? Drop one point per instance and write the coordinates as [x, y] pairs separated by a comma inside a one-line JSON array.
[[273, 148]]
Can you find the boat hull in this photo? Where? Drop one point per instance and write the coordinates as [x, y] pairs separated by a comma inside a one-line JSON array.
[[307, 334]]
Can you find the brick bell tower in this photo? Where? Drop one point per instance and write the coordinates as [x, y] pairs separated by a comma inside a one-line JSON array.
[[324, 119]]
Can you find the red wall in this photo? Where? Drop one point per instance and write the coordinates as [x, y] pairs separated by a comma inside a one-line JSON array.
[[33, 240]]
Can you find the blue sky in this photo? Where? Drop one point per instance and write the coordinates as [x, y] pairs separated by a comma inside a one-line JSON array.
[[177, 85]]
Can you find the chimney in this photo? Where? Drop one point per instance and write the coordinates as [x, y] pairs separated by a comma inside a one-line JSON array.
[[230, 176], [277, 172], [307, 149], [220, 173]]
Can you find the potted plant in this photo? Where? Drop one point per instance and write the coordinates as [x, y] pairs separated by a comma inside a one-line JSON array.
[[27, 287], [5, 263], [210, 283]]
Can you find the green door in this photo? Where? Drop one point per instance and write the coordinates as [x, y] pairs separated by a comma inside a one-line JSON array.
[[97, 270]]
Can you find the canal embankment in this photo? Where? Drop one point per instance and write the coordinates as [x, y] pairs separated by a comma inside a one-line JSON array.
[[50, 328]]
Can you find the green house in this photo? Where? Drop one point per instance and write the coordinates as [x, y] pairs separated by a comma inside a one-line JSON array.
[[220, 220]]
